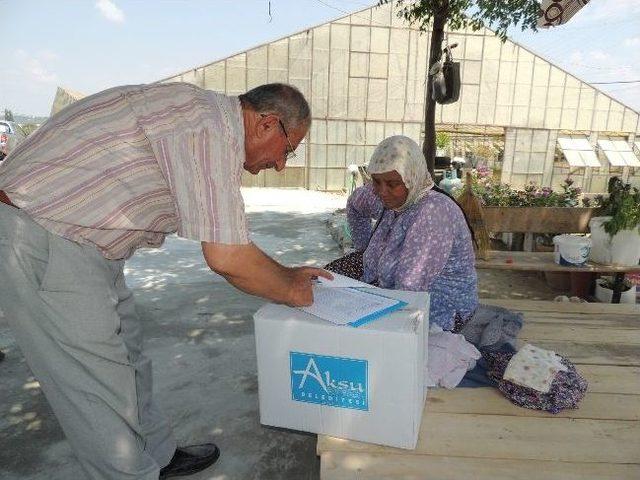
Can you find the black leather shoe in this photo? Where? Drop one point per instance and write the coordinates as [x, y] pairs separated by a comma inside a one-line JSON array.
[[190, 460]]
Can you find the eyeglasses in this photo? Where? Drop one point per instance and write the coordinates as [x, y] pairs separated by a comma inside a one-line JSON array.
[[291, 153]]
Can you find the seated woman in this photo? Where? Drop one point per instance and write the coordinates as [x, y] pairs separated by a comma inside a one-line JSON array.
[[421, 240]]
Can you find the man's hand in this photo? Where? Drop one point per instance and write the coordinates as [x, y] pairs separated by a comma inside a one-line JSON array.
[[249, 269], [302, 279]]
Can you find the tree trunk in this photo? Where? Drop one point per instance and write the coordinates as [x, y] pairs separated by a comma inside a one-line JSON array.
[[435, 52]]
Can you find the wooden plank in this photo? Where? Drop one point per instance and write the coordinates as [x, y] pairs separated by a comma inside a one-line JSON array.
[[483, 401], [588, 334], [542, 262], [602, 321], [611, 379], [605, 317], [538, 219], [590, 353], [618, 322], [506, 437], [369, 466], [564, 307]]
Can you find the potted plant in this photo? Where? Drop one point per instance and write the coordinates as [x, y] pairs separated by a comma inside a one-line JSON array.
[[615, 232], [443, 140], [604, 291], [442, 160], [508, 210]]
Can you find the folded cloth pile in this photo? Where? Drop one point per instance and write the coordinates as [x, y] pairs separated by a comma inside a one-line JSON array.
[[449, 358], [490, 327], [477, 377], [534, 367], [536, 378]]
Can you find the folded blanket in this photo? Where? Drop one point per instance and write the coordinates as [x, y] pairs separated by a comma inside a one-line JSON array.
[[490, 327]]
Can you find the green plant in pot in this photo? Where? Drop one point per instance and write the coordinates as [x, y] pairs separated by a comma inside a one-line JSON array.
[[443, 141], [606, 285], [615, 233]]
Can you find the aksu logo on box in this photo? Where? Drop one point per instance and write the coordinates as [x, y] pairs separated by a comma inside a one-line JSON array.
[[335, 381]]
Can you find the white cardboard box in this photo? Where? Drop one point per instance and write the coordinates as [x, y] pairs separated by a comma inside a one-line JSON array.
[[364, 383]]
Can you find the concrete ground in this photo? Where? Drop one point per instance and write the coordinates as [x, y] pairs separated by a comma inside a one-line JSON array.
[[199, 334]]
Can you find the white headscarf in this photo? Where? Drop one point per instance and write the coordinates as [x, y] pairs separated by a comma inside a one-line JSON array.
[[403, 155]]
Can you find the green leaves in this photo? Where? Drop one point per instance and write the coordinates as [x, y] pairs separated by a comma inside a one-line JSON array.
[[443, 140], [496, 194], [497, 15], [622, 205]]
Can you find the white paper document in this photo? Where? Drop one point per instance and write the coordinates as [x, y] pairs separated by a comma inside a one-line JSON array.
[[341, 281], [350, 306]]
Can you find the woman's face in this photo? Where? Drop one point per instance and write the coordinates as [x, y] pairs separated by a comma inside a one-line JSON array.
[[390, 188]]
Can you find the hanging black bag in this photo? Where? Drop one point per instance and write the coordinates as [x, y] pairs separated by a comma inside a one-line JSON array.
[[446, 78]]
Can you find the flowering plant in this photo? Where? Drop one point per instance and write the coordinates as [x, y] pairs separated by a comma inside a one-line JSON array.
[[496, 194]]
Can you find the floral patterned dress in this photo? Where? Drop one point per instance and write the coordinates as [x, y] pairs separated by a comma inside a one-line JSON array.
[[427, 247]]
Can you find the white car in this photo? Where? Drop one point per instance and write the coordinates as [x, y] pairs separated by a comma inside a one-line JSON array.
[[11, 134]]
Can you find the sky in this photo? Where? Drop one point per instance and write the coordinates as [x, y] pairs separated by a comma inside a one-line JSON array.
[[90, 45]]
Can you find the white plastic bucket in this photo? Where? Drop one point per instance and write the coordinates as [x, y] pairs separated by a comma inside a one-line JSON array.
[[621, 249], [571, 250]]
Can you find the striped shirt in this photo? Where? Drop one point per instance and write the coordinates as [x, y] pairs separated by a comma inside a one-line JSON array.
[[123, 168]]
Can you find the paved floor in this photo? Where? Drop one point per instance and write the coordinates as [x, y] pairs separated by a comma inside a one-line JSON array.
[[199, 334]]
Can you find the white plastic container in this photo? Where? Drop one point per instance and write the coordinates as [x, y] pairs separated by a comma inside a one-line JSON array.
[[571, 250], [621, 249], [605, 294]]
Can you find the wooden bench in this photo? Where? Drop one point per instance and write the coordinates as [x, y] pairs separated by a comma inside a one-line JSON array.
[[476, 433], [547, 220], [544, 262]]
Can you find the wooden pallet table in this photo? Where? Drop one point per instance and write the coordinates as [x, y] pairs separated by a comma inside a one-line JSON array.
[[544, 262], [470, 434]]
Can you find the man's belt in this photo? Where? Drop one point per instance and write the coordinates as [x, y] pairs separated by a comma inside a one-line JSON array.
[[5, 199]]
